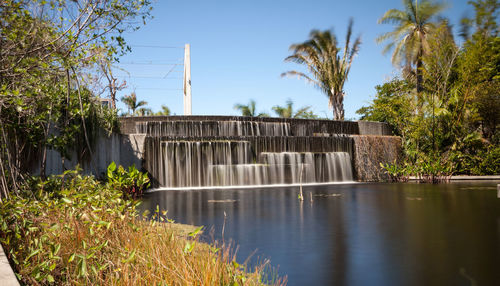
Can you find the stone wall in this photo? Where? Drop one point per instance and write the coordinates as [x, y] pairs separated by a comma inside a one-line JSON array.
[[370, 151]]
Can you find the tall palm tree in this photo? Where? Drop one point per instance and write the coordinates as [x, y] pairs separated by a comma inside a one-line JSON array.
[[249, 110], [327, 67], [413, 26], [288, 112], [132, 104]]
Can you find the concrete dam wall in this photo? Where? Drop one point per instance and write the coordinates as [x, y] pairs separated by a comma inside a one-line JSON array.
[[211, 151], [202, 151]]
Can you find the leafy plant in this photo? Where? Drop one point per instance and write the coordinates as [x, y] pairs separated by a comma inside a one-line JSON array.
[[132, 182], [396, 172]]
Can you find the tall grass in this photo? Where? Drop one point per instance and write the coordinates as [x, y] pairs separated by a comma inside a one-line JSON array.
[[74, 230]]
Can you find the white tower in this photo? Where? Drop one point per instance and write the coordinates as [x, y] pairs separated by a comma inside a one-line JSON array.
[[187, 80]]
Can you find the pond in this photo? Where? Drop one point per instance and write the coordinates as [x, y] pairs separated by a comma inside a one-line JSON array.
[[355, 234]]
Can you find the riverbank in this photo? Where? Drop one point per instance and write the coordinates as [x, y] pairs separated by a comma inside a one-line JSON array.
[[466, 178], [75, 230]]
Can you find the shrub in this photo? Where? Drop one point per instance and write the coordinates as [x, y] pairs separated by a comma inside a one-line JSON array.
[[131, 183], [71, 229], [490, 164]]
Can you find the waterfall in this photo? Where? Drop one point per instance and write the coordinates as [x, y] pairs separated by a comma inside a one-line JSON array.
[[318, 167], [209, 162], [198, 151], [240, 151]]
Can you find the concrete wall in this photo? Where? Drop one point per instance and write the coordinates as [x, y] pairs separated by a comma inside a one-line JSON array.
[[374, 128], [125, 150], [371, 146], [370, 151]]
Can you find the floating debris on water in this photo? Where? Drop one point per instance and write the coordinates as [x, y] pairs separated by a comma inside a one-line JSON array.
[[331, 195], [477, 188], [414, 199], [221, 201]]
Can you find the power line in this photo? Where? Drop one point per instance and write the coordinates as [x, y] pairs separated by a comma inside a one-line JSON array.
[[156, 47], [150, 64], [148, 77], [159, 88], [171, 70]]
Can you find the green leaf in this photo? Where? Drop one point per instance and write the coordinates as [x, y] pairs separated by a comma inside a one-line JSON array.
[[32, 254], [195, 232], [189, 247], [50, 279], [130, 257], [83, 267]]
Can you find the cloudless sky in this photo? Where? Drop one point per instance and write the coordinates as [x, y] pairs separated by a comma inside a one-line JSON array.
[[238, 47]]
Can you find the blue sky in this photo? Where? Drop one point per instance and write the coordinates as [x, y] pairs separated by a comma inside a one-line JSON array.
[[238, 47]]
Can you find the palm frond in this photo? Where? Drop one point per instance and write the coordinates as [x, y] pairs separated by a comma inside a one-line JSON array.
[[300, 75]]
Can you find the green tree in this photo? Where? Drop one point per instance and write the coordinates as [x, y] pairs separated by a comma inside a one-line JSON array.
[[132, 104], [457, 119], [479, 67], [484, 22], [288, 112], [249, 109], [328, 68], [413, 26], [49, 51], [143, 111], [165, 111]]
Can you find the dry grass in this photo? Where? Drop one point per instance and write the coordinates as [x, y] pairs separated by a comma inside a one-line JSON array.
[[88, 235]]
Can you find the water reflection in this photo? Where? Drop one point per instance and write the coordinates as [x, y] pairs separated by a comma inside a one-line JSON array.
[[364, 234]]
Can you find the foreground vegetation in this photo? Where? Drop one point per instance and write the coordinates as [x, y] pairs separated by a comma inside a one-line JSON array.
[[72, 229]]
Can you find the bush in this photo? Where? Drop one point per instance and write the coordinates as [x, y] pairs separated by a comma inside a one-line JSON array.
[[71, 229], [131, 183], [396, 172], [490, 164]]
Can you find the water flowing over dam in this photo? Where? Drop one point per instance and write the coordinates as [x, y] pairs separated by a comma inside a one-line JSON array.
[[213, 151]]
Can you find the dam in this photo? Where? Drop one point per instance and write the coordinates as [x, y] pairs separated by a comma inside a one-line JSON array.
[[224, 151]]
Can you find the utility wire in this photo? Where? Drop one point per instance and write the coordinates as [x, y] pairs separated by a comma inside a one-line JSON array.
[[159, 88], [156, 47], [148, 77], [150, 64], [171, 70]]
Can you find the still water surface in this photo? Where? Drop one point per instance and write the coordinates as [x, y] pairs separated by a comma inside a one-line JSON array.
[[357, 234]]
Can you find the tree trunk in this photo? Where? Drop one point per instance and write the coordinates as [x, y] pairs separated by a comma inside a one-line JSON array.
[[46, 134], [418, 73], [83, 123], [338, 106]]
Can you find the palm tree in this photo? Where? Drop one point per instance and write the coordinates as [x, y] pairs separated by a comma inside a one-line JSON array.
[[144, 111], [249, 110], [164, 111], [328, 69], [413, 25], [288, 112], [131, 103]]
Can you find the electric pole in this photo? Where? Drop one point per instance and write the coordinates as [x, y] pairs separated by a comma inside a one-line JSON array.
[[187, 80]]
